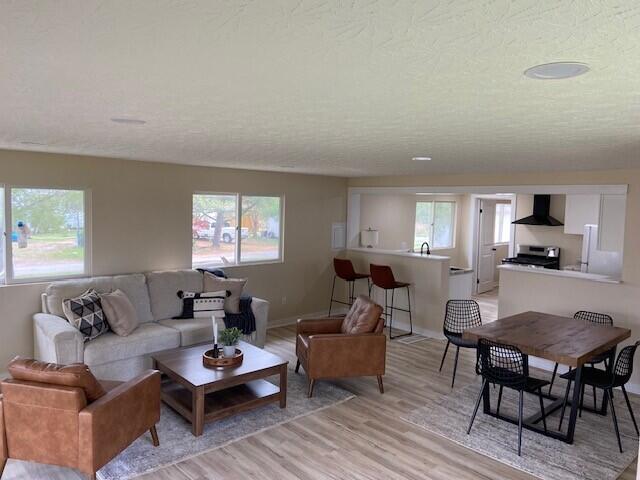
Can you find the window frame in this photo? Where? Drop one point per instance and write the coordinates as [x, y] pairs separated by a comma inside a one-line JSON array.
[[454, 216], [502, 218], [238, 240], [9, 278]]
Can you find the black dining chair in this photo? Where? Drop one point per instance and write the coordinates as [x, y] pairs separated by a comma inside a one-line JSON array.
[[507, 366], [598, 319], [460, 315], [618, 377]]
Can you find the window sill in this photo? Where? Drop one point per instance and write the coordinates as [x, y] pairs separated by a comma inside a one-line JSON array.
[[236, 265]]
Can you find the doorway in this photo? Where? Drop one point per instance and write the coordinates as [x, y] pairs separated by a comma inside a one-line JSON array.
[[493, 238]]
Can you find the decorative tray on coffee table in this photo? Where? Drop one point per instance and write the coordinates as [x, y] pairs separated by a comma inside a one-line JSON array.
[[208, 360]]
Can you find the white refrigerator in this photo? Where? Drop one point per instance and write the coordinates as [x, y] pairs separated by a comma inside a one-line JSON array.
[[598, 261]]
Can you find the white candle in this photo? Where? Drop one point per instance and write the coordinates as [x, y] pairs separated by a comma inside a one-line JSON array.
[[215, 329]]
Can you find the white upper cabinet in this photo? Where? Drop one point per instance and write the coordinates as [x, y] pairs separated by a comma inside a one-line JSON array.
[[612, 218], [581, 210]]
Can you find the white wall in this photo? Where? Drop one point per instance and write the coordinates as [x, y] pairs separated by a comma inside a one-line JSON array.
[[142, 221]]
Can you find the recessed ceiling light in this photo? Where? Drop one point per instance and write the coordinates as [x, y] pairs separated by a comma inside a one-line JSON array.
[[421, 159], [556, 70], [34, 143], [128, 121]]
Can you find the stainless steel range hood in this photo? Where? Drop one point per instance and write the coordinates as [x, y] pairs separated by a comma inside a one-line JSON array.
[[540, 213]]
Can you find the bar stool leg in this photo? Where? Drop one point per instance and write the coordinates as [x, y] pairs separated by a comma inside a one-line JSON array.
[[332, 291], [393, 291], [409, 303]]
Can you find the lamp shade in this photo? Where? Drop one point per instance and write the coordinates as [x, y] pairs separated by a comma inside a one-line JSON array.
[[369, 238]]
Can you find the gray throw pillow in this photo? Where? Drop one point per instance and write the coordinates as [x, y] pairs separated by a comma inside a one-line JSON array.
[[232, 285], [120, 312], [86, 314]]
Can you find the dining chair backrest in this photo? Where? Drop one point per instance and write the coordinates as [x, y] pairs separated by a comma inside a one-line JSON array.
[[502, 364], [594, 317], [624, 365], [461, 315]]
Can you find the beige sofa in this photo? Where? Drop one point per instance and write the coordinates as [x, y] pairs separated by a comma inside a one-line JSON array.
[[153, 295]]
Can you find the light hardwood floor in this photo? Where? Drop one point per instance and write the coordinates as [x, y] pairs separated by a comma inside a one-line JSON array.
[[363, 438]]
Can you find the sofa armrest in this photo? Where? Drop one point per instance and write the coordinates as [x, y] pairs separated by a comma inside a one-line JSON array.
[[57, 341], [260, 308], [340, 355], [111, 423], [310, 326]]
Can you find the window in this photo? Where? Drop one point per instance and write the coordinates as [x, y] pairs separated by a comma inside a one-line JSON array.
[[44, 234], [218, 238], [435, 224], [260, 239], [502, 225]]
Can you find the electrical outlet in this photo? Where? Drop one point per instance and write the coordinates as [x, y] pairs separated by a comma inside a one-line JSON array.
[[284, 300]]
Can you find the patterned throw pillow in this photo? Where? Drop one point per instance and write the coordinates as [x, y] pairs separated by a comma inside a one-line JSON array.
[[86, 314], [202, 305]]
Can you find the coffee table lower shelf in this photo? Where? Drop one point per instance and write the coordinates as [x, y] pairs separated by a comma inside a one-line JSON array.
[[219, 404]]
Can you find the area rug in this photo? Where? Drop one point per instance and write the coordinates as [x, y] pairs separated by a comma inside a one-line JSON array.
[[594, 454], [177, 443]]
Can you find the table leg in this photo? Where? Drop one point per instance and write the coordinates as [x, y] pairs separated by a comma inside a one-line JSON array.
[[197, 411], [575, 404], [283, 386]]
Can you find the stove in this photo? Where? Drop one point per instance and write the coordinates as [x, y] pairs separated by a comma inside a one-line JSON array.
[[535, 256]]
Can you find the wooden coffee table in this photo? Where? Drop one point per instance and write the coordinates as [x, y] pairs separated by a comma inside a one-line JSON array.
[[202, 394]]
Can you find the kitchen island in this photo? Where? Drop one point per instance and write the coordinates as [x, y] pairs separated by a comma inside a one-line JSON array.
[[432, 278]]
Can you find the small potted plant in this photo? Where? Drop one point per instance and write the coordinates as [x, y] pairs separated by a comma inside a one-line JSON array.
[[229, 338]]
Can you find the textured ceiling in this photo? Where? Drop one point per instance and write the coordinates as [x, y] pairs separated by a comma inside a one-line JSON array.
[[347, 88]]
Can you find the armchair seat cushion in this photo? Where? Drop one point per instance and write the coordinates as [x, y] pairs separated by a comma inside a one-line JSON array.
[[146, 339]]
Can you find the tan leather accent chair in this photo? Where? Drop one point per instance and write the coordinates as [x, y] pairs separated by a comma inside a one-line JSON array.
[[348, 346], [61, 415]]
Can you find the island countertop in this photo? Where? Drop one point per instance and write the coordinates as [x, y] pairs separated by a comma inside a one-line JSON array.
[[401, 253], [593, 277]]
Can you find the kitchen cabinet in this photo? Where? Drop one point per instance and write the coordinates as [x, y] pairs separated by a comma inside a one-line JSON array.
[[611, 226], [581, 210]]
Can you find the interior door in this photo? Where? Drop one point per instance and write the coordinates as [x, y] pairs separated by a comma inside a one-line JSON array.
[[486, 249]]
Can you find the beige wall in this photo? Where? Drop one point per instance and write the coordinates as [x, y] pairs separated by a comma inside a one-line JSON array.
[[142, 221], [394, 217], [570, 245]]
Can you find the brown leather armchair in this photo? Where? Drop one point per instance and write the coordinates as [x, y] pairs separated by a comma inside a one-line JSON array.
[[349, 346], [61, 415]]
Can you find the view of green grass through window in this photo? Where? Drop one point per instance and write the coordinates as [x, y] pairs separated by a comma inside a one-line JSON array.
[[215, 229], [434, 224], [47, 233]]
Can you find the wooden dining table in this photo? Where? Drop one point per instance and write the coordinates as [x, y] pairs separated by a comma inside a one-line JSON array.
[[564, 340]]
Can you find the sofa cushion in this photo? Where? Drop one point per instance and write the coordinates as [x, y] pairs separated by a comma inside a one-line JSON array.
[[146, 339], [120, 312], [134, 286], [75, 375], [194, 330], [362, 317], [213, 283], [164, 288]]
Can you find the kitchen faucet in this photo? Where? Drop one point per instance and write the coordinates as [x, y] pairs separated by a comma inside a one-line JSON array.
[[422, 248]]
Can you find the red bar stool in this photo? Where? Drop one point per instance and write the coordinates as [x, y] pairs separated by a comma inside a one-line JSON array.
[[382, 277], [344, 270]]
